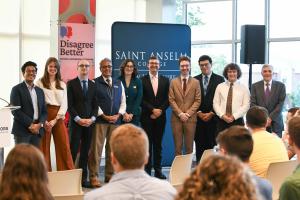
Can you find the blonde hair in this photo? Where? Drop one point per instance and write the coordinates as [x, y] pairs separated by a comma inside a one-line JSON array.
[[219, 178], [129, 145]]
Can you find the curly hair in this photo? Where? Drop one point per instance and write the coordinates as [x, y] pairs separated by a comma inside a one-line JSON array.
[[24, 176], [219, 178], [232, 66], [123, 65]]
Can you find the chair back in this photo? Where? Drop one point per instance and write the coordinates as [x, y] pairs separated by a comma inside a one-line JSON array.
[[65, 182], [206, 154], [180, 169], [277, 172]]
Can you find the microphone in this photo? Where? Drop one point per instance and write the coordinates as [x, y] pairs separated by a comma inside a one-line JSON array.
[[8, 104]]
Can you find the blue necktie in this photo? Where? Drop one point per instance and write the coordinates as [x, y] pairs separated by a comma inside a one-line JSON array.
[[205, 84], [84, 87]]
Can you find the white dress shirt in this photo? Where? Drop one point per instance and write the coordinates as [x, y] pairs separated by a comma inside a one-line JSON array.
[[265, 85], [240, 99], [56, 97], [34, 101]]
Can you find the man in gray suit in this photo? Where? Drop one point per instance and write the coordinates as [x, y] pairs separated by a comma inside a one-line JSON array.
[[270, 94]]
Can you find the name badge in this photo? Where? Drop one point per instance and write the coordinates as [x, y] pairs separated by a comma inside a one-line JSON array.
[[115, 86], [134, 87]]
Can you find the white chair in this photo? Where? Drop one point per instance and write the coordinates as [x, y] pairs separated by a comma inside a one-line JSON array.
[[64, 183], [277, 172], [180, 169], [206, 154]]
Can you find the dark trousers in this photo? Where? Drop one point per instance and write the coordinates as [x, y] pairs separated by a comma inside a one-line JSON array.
[[222, 125], [81, 136], [205, 136], [154, 129], [33, 139]]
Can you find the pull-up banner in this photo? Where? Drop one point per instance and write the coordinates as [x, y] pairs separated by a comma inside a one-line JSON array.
[[76, 39], [139, 41]]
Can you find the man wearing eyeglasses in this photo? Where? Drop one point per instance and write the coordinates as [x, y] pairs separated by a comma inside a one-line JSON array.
[[29, 119], [205, 135], [82, 106], [111, 105]]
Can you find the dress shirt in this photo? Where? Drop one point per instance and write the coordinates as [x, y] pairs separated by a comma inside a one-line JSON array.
[[184, 77], [203, 78], [122, 108], [265, 85], [240, 99], [133, 185], [34, 101], [154, 84], [56, 97]]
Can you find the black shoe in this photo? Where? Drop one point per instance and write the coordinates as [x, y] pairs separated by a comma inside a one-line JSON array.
[[160, 175]]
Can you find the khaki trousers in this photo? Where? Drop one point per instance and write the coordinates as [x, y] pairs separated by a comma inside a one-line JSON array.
[[100, 133]]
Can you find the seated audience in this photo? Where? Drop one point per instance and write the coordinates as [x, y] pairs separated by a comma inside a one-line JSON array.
[[290, 114], [24, 176], [290, 189], [268, 148], [129, 154], [237, 141], [219, 178]]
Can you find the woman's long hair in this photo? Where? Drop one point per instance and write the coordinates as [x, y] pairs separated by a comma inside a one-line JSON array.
[[24, 176], [219, 178], [123, 65], [46, 80]]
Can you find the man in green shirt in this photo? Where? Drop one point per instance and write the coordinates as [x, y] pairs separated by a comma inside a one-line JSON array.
[[290, 189]]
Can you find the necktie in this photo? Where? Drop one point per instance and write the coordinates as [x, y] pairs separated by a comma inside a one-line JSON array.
[[154, 84], [108, 82], [229, 101], [184, 85], [267, 92], [84, 87], [205, 84]]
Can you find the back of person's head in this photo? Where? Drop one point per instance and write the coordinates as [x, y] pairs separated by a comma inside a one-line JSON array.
[[294, 131], [236, 141], [129, 145], [24, 175], [257, 117], [219, 178]]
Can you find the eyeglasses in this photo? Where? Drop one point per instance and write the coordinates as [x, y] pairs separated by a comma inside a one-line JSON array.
[[30, 71], [216, 148], [204, 65], [105, 66], [129, 66], [82, 65], [154, 63]]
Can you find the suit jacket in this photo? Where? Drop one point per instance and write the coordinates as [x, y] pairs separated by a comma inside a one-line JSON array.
[[150, 101], [188, 102], [207, 100], [78, 104], [23, 117], [275, 104]]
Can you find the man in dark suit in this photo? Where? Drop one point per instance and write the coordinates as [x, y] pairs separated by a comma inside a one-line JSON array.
[[205, 136], [28, 126], [153, 119], [82, 106], [270, 94]]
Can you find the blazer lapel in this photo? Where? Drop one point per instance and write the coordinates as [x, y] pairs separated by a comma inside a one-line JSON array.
[[188, 85], [27, 94], [150, 85], [210, 83], [262, 90]]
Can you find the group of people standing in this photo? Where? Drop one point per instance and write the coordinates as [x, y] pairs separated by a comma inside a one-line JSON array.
[[201, 107]]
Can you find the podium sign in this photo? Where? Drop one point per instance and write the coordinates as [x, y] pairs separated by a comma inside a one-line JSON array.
[[5, 126]]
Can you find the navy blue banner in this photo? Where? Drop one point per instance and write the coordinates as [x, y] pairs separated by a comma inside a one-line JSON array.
[[139, 41]]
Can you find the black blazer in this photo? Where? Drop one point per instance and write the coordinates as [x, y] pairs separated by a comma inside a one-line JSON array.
[[207, 100], [23, 117], [78, 104], [150, 101]]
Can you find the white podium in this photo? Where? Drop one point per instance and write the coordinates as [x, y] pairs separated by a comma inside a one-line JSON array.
[[5, 129]]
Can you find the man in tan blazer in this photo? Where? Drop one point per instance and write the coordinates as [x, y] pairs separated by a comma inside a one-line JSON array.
[[185, 99]]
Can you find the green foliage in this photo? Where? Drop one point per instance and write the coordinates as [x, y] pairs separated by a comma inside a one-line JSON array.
[[194, 17], [294, 97], [219, 63]]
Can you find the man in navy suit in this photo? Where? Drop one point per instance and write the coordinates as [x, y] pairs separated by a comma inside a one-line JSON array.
[[28, 125], [82, 106], [153, 119], [270, 94], [205, 136]]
